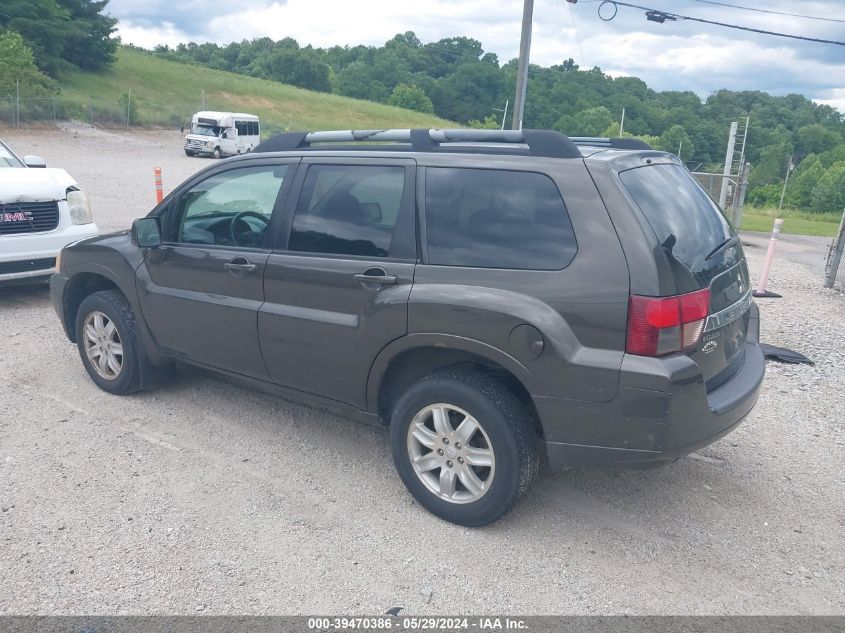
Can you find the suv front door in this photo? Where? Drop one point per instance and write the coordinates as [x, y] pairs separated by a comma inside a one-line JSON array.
[[337, 287], [201, 290]]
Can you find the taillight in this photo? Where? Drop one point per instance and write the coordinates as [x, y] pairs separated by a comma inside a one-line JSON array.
[[662, 325]]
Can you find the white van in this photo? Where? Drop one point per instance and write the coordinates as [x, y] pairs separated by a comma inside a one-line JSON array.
[[219, 134]]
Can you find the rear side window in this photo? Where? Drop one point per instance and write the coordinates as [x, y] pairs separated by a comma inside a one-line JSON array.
[[348, 210], [490, 218], [687, 223]]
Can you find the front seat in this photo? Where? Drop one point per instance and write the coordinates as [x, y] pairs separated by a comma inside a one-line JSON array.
[[344, 207]]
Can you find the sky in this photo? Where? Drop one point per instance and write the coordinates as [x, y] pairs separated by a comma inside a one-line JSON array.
[[680, 55]]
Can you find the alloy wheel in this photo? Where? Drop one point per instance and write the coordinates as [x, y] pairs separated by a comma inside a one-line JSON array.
[[451, 453], [102, 345]]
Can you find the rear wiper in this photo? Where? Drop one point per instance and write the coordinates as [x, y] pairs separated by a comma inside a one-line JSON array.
[[728, 242]]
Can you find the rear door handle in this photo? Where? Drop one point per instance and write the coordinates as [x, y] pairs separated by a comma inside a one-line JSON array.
[[239, 266], [375, 276]]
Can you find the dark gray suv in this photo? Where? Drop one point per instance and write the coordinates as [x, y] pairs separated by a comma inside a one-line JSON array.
[[495, 298]]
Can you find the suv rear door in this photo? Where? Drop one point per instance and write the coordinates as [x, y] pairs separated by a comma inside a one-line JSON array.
[[336, 287], [702, 251]]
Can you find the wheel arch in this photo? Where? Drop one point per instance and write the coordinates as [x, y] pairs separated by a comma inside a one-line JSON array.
[[79, 286], [413, 357]]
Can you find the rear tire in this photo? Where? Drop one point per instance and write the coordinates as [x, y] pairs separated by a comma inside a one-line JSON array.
[[497, 462], [106, 329]]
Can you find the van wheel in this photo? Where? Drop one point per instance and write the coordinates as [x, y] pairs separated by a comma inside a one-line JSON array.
[[107, 338], [464, 446], [216, 153], [188, 153]]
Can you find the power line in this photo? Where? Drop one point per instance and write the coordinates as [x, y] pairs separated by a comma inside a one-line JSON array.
[[792, 15], [656, 15]]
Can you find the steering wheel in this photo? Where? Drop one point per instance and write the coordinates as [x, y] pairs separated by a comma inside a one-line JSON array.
[[238, 217]]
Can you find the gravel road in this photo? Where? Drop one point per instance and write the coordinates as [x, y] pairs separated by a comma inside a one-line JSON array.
[[203, 497]]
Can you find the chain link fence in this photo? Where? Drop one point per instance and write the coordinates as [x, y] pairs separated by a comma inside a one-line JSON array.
[[16, 112]]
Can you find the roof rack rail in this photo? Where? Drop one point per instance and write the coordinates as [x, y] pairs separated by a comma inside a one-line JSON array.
[[615, 143], [546, 143]]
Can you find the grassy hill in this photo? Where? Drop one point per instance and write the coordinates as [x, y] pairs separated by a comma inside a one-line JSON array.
[[165, 93]]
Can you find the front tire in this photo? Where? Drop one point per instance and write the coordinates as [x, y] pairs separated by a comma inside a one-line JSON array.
[[464, 446], [216, 153], [189, 153], [108, 342]]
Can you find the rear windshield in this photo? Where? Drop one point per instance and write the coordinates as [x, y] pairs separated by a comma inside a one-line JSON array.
[[688, 224]]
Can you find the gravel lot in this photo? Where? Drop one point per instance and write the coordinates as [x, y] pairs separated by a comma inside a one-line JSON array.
[[203, 497]]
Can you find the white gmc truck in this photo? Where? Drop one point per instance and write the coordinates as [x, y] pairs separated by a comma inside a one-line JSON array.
[[41, 211]]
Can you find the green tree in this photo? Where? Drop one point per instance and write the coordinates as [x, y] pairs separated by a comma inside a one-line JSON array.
[[816, 138], [803, 182], [410, 98], [89, 43], [771, 167], [17, 66], [676, 139], [63, 33], [489, 123], [591, 122], [829, 194]]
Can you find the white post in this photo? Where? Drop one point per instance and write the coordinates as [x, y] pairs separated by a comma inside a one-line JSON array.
[[767, 264], [17, 103], [729, 159], [789, 169], [622, 123], [505, 115]]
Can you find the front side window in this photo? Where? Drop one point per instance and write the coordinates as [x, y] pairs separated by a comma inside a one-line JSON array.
[[348, 210], [229, 209], [489, 218]]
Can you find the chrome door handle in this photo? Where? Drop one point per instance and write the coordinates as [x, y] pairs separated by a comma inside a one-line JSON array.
[[375, 276], [239, 267]]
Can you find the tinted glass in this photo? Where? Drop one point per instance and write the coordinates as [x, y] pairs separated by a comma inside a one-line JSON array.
[[687, 223], [230, 209], [348, 210], [496, 219]]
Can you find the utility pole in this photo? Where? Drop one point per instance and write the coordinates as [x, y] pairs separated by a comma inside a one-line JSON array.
[[505, 112], [789, 169], [729, 160], [522, 70]]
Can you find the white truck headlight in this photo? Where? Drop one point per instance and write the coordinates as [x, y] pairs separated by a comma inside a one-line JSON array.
[[80, 207]]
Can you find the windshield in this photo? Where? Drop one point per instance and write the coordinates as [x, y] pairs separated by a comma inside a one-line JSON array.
[[203, 130], [7, 159]]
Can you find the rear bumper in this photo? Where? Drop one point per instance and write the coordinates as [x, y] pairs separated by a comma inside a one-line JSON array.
[[662, 411]]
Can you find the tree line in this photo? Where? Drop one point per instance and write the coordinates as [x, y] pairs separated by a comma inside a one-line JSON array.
[[456, 79]]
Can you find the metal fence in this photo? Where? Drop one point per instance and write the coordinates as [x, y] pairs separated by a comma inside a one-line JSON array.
[[125, 111], [737, 187]]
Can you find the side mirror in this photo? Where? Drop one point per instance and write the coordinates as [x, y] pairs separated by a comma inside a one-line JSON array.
[[30, 160], [224, 135], [146, 232]]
